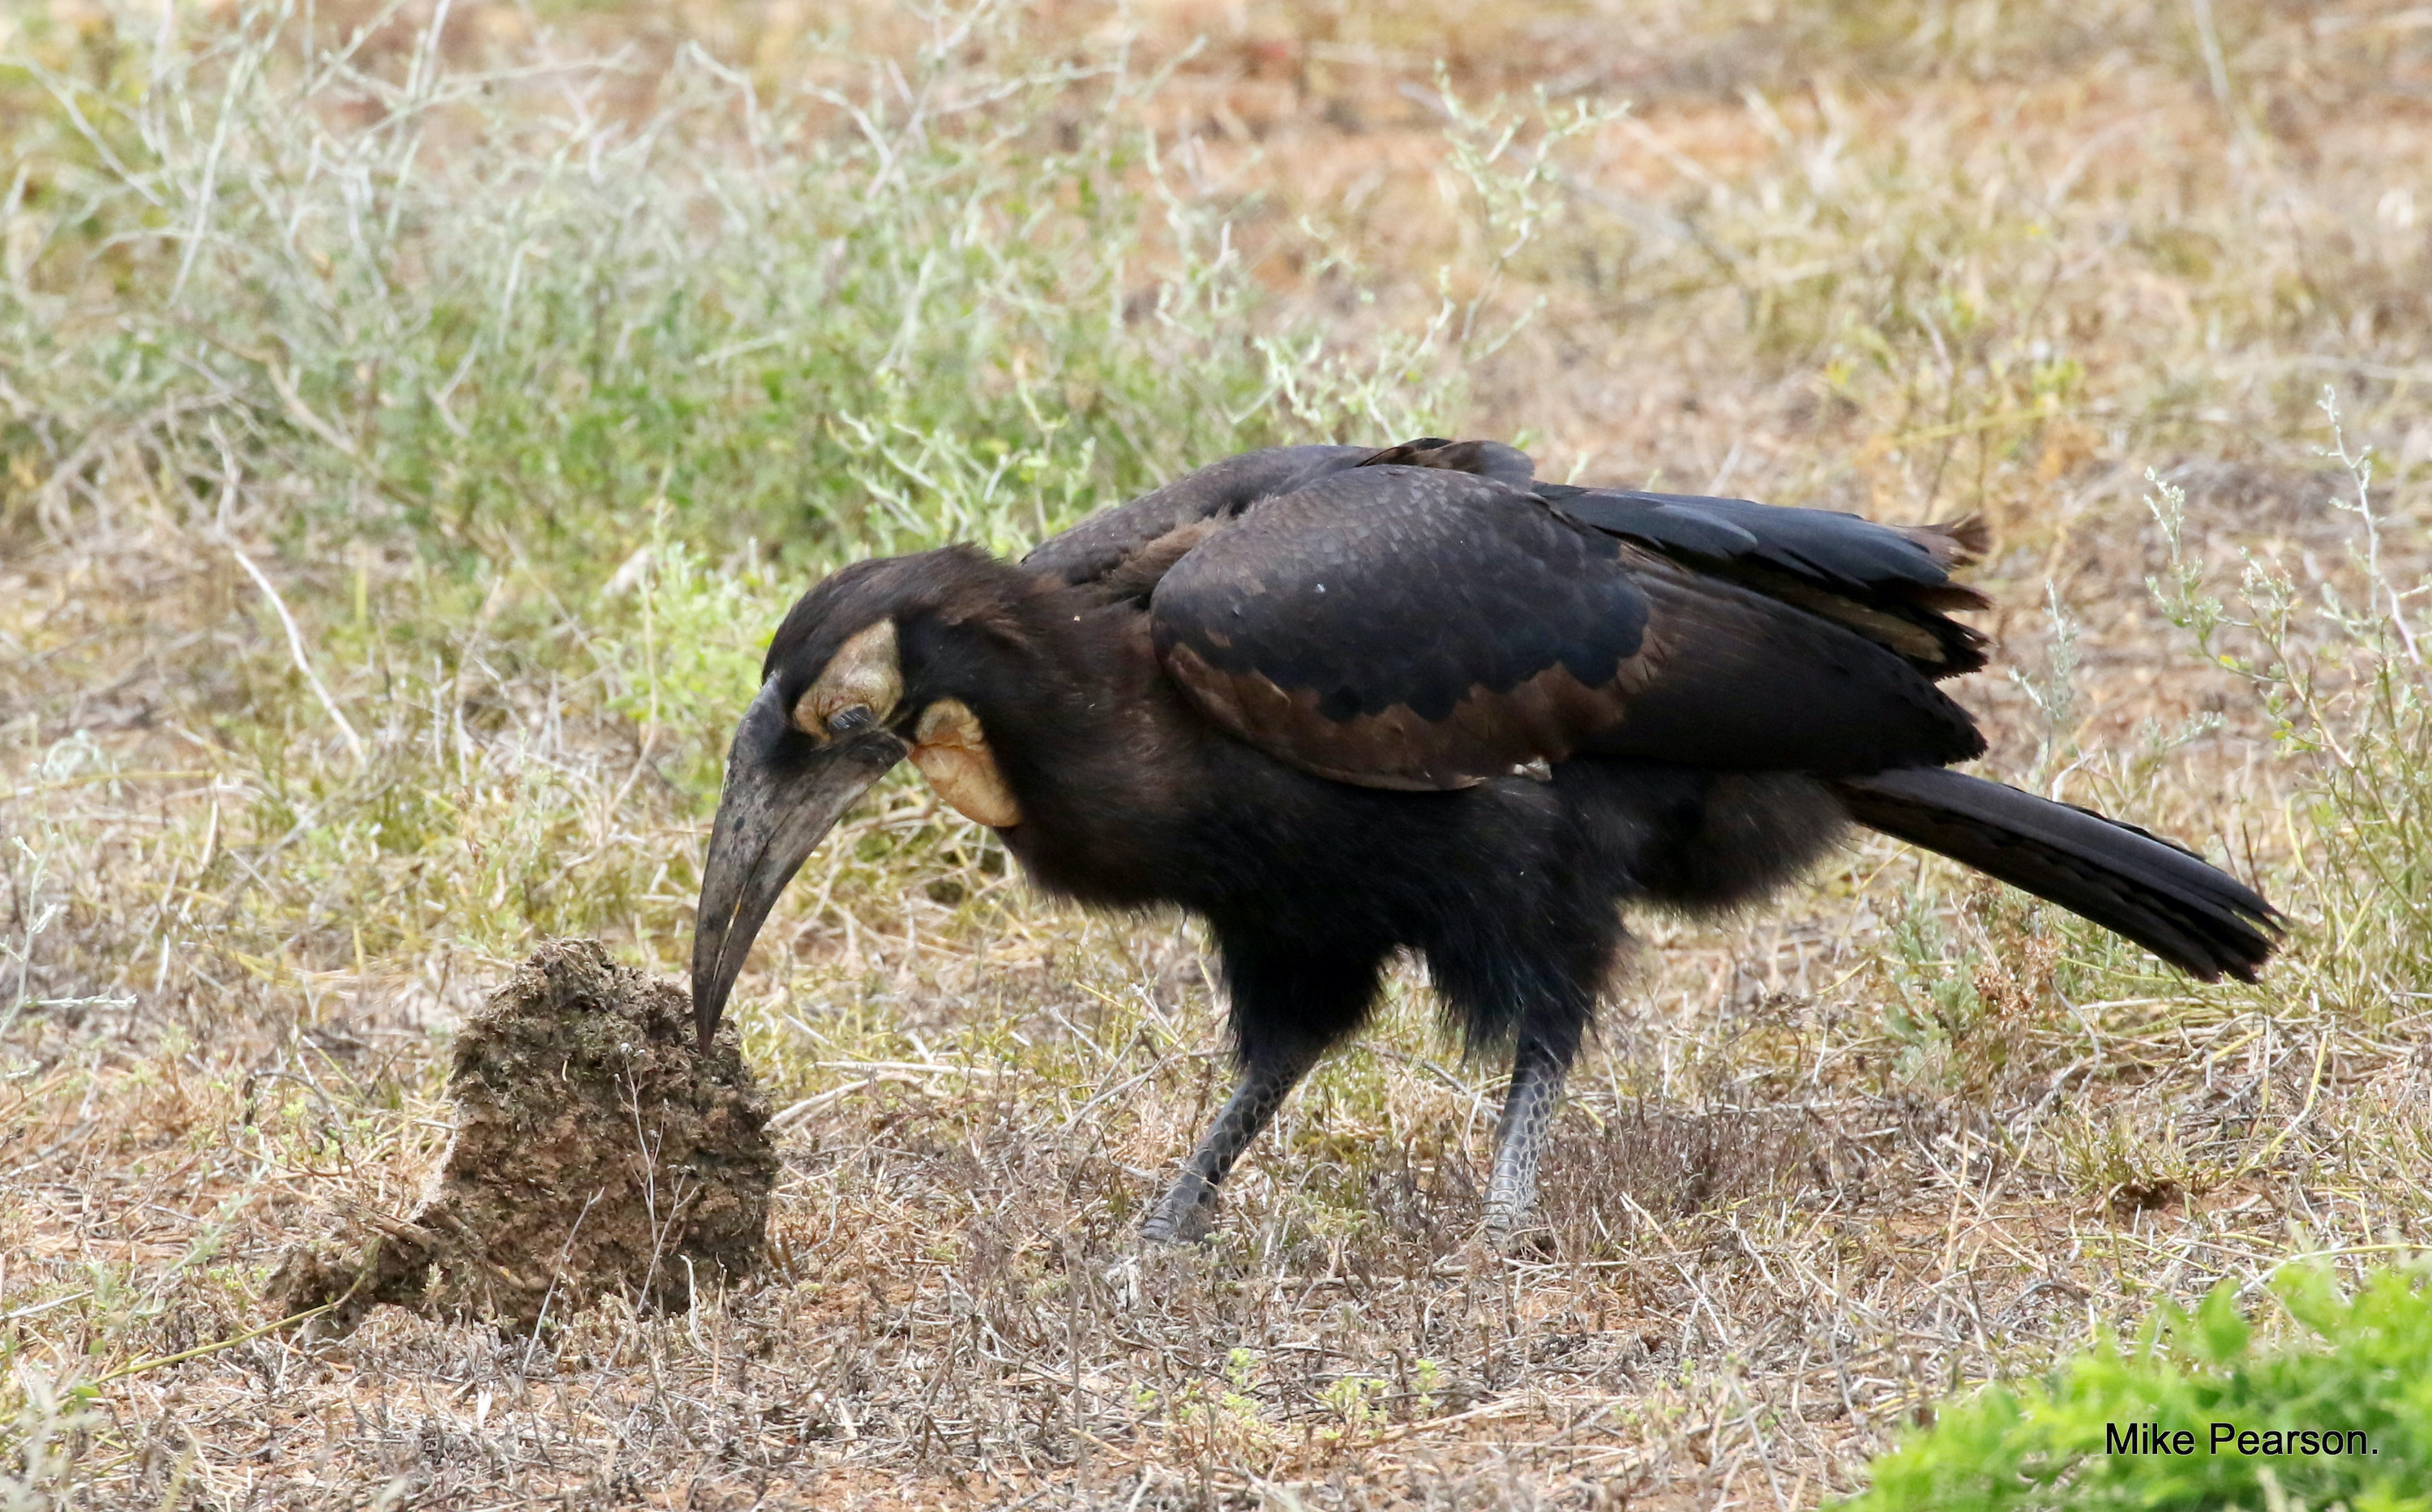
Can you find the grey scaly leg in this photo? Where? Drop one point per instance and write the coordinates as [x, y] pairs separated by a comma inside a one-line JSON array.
[[1520, 1138], [1189, 1206]]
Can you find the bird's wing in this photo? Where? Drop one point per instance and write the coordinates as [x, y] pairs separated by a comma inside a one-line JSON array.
[[1400, 626], [1106, 541], [1891, 584], [1124, 551]]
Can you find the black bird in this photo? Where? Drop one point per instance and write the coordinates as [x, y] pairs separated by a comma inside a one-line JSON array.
[[1342, 701]]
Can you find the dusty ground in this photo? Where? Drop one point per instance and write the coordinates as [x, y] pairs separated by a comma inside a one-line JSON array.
[[1825, 1166]]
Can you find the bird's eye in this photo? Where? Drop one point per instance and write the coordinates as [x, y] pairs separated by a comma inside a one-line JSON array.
[[846, 721]]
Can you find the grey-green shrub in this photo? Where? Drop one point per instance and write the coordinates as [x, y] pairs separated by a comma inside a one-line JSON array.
[[458, 304]]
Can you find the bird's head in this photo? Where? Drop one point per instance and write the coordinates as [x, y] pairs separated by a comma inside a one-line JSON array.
[[846, 692]]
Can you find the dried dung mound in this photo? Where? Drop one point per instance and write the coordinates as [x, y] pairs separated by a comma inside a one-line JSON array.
[[596, 1151]]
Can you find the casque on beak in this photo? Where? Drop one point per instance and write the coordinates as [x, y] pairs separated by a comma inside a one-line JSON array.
[[784, 792]]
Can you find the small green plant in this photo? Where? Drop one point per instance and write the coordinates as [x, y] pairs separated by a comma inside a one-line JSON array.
[[2108, 1158], [2346, 687], [47, 1428], [1936, 1003], [1233, 1424], [2195, 1418], [1359, 1403]]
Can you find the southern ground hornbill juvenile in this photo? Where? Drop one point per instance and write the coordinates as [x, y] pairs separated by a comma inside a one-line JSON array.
[[1342, 701]]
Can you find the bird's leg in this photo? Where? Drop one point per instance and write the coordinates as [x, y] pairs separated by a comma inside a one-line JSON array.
[[1520, 1138], [1189, 1206]]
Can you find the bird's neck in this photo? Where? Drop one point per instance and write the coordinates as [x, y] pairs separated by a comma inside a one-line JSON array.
[[1087, 733]]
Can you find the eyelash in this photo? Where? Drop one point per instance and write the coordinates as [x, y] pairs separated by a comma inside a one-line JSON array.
[[844, 721]]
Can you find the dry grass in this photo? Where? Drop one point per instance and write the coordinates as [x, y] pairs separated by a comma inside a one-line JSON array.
[[1898, 1134]]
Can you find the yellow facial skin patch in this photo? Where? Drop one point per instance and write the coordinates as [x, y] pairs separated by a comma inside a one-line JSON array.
[[865, 671], [952, 753]]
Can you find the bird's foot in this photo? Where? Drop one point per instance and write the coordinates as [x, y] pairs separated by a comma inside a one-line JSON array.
[[1514, 1225], [1518, 1235], [1185, 1214]]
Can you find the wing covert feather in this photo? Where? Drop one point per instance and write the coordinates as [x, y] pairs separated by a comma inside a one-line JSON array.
[[1403, 627], [1418, 627]]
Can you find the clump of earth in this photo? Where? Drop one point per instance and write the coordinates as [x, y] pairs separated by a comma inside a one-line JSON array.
[[596, 1151]]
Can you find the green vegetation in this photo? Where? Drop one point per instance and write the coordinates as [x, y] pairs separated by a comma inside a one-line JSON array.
[[2222, 1423]]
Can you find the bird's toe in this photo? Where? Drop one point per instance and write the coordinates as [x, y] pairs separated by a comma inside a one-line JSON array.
[[1518, 1233], [1184, 1214]]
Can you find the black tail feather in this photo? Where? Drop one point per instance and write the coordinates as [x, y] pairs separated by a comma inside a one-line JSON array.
[[2191, 913]]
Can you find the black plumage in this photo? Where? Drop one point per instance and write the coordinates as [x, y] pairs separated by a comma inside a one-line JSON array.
[[1345, 702]]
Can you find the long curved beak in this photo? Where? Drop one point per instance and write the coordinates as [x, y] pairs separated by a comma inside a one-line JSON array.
[[782, 795]]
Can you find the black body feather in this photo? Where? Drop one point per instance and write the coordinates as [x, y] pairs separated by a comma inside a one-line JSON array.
[[1749, 680], [1344, 702]]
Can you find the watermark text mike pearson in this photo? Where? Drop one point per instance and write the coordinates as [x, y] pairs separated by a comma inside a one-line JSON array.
[[2229, 1439]]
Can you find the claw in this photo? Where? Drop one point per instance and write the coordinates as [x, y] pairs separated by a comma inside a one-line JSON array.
[[1185, 1214]]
